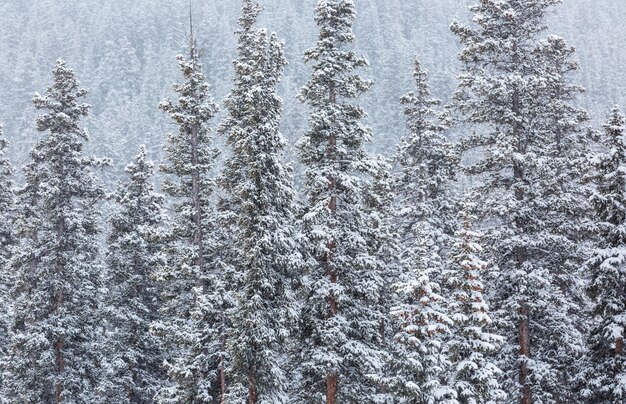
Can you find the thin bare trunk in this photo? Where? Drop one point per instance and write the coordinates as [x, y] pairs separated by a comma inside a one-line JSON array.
[[252, 389], [332, 379], [58, 302], [332, 385], [524, 344]]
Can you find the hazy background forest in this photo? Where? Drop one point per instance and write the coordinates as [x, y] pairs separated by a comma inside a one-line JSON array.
[[124, 52]]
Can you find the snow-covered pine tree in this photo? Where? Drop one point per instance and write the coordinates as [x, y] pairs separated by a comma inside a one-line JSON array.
[[471, 348], [427, 165], [517, 97], [383, 244], [606, 377], [419, 363], [6, 240], [565, 210], [193, 311], [264, 253], [341, 343], [55, 265], [133, 361], [425, 217]]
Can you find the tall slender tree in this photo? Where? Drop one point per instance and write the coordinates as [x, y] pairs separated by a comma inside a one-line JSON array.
[[425, 217], [193, 284], [606, 376], [6, 240], [471, 348], [422, 321], [518, 97], [54, 352], [133, 359], [427, 165], [341, 343], [265, 253]]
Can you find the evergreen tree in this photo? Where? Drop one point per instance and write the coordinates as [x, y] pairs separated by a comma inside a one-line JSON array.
[[425, 220], [427, 166], [341, 343], [132, 356], [471, 348], [518, 96], [6, 240], [192, 315], [53, 351], [422, 322], [265, 253], [605, 379], [383, 245]]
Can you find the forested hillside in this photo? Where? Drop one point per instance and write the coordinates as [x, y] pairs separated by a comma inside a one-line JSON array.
[[123, 51]]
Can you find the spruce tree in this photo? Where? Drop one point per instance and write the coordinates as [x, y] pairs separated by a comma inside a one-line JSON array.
[[427, 165], [264, 253], [56, 273], [527, 138], [6, 240], [425, 206], [420, 363], [133, 360], [605, 379], [341, 343], [193, 312], [471, 348]]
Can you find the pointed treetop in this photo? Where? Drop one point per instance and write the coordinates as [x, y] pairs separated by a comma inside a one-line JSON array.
[[251, 11]]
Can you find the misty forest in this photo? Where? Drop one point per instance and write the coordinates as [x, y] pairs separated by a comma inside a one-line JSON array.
[[312, 201]]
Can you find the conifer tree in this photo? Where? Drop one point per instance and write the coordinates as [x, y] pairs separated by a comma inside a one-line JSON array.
[[427, 165], [606, 376], [341, 343], [471, 348], [425, 220], [518, 97], [54, 351], [133, 361], [193, 284], [6, 240], [422, 321], [264, 250]]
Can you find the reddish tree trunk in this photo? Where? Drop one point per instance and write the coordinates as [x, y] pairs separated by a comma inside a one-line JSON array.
[[524, 347], [252, 389], [332, 379], [332, 385]]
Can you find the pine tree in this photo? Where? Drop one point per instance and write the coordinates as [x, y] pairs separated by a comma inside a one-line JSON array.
[[341, 343], [264, 249], [427, 165], [518, 96], [606, 378], [422, 323], [192, 316], [53, 352], [132, 355], [6, 240], [471, 348], [425, 220], [384, 248]]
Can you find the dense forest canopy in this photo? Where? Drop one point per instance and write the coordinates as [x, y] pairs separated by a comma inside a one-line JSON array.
[[339, 201]]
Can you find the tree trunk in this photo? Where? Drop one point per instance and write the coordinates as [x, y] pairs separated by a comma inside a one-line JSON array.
[[58, 302], [524, 345], [332, 379], [332, 385], [252, 389]]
